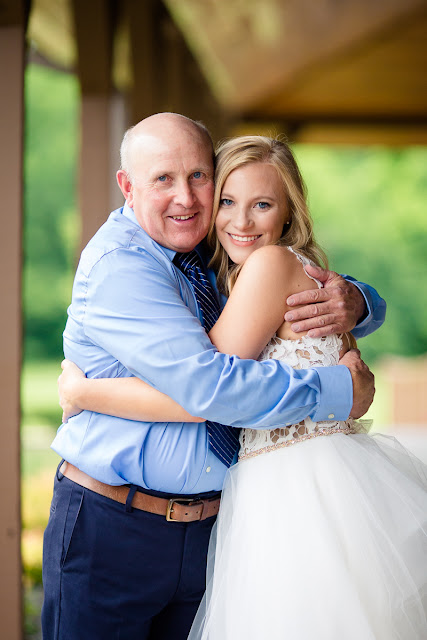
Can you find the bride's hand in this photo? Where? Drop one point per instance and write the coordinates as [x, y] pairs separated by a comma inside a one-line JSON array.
[[68, 385], [336, 308]]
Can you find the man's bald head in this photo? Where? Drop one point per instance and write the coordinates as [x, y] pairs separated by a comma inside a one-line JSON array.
[[162, 127], [167, 179]]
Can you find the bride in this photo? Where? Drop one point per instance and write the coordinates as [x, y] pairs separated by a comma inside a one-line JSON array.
[[322, 531]]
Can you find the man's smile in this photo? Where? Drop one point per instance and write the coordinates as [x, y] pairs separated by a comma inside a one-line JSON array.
[[184, 217]]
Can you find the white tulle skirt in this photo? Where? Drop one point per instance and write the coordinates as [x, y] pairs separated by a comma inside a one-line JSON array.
[[324, 540]]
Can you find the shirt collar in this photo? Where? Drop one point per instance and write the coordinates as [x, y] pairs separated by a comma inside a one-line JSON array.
[[170, 253]]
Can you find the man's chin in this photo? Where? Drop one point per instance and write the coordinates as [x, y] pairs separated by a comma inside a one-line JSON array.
[[187, 241], [186, 247]]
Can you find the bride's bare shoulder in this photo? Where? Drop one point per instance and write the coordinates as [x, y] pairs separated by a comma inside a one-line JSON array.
[[276, 261]]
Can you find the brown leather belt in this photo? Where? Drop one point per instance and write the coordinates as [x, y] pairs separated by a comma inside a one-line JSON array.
[[174, 509]]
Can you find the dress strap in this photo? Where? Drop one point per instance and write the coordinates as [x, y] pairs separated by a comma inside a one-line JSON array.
[[306, 261]]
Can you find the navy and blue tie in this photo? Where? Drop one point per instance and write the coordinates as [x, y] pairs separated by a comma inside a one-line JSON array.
[[223, 440]]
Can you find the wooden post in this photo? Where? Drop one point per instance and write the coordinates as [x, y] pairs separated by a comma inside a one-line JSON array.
[[94, 27], [147, 58], [12, 51], [166, 76]]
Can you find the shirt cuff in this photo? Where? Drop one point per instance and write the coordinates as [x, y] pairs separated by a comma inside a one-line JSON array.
[[367, 316], [336, 393]]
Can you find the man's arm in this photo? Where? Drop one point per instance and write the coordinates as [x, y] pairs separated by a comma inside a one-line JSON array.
[[136, 313], [342, 305]]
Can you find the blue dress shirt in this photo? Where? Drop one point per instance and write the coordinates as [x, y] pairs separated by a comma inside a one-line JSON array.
[[134, 313]]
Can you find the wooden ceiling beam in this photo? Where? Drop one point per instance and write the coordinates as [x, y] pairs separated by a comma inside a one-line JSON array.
[[355, 119], [356, 130], [403, 135]]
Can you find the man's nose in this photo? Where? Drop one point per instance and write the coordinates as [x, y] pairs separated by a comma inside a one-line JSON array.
[[184, 195]]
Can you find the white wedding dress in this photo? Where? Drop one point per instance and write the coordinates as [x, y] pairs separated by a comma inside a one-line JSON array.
[[322, 531]]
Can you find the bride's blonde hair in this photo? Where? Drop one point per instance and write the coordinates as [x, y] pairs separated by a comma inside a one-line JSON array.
[[298, 233]]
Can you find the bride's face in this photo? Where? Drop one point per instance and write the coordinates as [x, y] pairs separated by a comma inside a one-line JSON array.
[[252, 210]]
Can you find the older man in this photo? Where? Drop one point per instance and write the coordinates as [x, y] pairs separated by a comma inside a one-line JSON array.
[[134, 503]]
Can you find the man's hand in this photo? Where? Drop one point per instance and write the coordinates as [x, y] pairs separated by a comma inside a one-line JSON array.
[[334, 309], [68, 384], [363, 382]]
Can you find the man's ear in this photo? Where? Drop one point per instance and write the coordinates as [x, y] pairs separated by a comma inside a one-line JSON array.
[[125, 186]]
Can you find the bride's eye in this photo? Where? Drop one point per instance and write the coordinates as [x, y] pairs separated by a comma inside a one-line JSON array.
[[263, 205], [225, 202]]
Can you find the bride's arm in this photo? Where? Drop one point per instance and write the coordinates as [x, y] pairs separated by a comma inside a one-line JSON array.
[[252, 315], [257, 303], [129, 398]]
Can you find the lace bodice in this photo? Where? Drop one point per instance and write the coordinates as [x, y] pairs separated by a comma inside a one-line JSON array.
[[300, 354], [305, 352]]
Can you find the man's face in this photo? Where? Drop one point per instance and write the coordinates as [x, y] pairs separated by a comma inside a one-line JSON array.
[[172, 188]]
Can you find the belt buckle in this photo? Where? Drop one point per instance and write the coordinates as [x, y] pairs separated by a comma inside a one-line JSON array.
[[169, 508]]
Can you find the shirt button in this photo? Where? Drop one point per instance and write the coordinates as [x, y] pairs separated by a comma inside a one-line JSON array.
[[331, 415], [208, 469]]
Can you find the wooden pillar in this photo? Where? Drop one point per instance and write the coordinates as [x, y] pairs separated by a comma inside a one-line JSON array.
[[94, 167], [118, 125], [166, 76], [187, 90], [13, 16], [147, 45], [94, 27]]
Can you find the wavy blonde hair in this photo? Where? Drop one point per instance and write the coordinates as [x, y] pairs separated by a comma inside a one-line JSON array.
[[298, 234]]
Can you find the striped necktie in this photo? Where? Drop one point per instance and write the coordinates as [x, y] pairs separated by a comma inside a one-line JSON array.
[[223, 440]]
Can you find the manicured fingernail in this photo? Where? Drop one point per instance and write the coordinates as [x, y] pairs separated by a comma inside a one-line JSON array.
[[289, 317], [295, 327], [291, 300]]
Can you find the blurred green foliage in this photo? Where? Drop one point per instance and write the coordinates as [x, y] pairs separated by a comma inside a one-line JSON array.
[[51, 223], [368, 205]]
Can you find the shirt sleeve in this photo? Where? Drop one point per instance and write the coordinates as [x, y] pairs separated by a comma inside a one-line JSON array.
[[135, 311], [375, 309]]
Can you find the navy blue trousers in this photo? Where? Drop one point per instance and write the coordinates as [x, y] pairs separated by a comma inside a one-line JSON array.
[[111, 572]]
